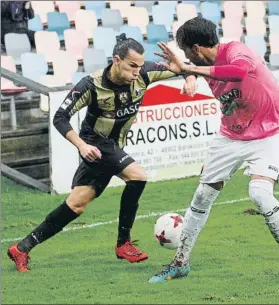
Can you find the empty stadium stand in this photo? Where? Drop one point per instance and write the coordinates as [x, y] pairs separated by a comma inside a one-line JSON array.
[[69, 44]]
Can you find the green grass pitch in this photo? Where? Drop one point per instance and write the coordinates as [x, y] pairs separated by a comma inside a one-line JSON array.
[[235, 260]]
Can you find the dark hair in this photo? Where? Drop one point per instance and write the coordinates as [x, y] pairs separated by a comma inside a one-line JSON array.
[[197, 31], [125, 44]]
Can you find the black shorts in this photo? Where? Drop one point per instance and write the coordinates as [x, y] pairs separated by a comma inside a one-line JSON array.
[[98, 173]]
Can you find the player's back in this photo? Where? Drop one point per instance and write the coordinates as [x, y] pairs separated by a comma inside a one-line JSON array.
[[253, 102]]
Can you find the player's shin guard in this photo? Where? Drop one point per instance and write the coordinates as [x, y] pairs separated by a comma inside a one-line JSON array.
[[128, 209], [54, 223], [261, 193], [195, 218]]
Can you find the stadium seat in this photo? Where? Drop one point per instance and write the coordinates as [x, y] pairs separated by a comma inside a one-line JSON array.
[[162, 15], [175, 26], [233, 10], [112, 19], [68, 7], [33, 65], [47, 43], [17, 44], [146, 4], [256, 43], [255, 9], [211, 11], [77, 76], [64, 65], [35, 24], [75, 42], [106, 44], [157, 33], [255, 26], [122, 6], [274, 45], [273, 7], [186, 12], [234, 32], [196, 3], [58, 22], [86, 21], [50, 81], [8, 63], [273, 22], [150, 48], [169, 6], [94, 59], [96, 6], [174, 47], [132, 32], [41, 8], [138, 16], [225, 39], [274, 60]]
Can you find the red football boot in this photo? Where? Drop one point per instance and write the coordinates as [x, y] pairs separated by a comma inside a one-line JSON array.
[[21, 259], [129, 252]]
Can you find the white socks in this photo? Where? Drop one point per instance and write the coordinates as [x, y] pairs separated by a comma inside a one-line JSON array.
[[261, 193], [195, 218]]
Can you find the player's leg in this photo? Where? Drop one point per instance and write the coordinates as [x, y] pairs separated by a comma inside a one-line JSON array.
[[220, 164], [135, 178], [261, 191], [56, 220], [263, 167]]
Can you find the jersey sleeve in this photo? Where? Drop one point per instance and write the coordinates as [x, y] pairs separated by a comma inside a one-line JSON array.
[[80, 96], [151, 72]]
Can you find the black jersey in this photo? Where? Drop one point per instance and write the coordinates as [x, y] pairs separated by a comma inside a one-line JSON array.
[[111, 108]]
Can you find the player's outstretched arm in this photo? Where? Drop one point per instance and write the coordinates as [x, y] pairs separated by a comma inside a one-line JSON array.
[[233, 72]]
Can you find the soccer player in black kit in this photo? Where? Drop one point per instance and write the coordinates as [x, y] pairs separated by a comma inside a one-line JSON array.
[[112, 96]]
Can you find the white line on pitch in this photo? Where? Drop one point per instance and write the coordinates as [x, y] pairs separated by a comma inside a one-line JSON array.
[[152, 214]]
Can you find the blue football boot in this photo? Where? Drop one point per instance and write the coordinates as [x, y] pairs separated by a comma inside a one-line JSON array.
[[170, 272]]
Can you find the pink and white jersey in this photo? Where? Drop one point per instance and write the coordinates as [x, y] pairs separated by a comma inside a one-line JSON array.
[[250, 108]]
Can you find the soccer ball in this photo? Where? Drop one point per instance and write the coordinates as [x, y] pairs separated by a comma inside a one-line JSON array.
[[167, 230]]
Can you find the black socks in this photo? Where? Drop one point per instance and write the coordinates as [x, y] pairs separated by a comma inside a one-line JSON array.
[[128, 209], [54, 223], [62, 215]]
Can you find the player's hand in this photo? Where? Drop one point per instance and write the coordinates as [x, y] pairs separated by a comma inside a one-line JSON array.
[[90, 152], [172, 63], [190, 86]]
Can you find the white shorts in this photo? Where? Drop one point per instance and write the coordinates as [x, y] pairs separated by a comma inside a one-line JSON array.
[[225, 156]]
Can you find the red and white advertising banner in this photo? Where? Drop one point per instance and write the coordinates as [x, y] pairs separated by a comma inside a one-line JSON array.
[[172, 132], [169, 138]]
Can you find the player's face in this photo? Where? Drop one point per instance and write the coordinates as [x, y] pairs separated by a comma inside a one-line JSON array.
[[129, 67], [196, 55]]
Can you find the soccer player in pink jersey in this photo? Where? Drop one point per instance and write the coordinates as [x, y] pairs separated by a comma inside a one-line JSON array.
[[249, 99]]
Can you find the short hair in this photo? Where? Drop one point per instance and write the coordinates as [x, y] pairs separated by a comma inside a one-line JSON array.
[[125, 44], [197, 31]]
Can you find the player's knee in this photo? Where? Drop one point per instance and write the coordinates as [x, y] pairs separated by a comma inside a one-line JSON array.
[[218, 186], [80, 198], [203, 199], [139, 175]]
